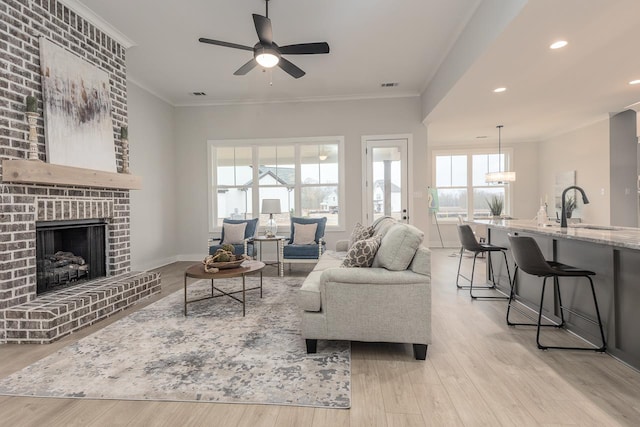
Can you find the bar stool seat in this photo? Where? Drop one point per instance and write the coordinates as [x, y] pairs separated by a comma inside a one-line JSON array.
[[469, 243], [529, 259]]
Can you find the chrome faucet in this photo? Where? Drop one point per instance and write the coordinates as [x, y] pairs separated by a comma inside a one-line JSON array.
[[563, 214]]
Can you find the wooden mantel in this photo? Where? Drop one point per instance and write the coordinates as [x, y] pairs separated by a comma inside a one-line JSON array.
[[37, 172]]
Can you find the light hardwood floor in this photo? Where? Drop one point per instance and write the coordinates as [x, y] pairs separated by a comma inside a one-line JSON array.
[[478, 372]]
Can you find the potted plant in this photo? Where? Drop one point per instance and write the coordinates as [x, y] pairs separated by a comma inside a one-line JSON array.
[[495, 205], [570, 206]]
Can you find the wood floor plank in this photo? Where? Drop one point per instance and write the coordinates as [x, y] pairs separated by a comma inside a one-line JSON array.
[[330, 417], [292, 416], [397, 393], [436, 406], [367, 407], [259, 416], [405, 420], [79, 413]]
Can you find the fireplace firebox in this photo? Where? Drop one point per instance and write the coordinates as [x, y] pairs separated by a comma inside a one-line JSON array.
[[69, 252]]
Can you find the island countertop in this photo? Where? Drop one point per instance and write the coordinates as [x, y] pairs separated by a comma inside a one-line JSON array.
[[623, 237]]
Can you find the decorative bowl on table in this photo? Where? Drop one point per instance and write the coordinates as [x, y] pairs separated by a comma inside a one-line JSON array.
[[212, 265]]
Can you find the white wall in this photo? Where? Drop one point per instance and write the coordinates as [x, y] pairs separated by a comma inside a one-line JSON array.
[[585, 150], [153, 209], [351, 119]]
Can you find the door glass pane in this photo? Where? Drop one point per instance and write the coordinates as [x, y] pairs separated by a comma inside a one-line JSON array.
[[387, 182]]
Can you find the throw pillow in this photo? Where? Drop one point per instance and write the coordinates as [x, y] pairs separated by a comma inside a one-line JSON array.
[[398, 247], [360, 232], [362, 252], [234, 233], [304, 234]]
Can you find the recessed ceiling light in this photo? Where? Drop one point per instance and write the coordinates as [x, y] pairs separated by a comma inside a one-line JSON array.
[[559, 44], [499, 89], [634, 82]]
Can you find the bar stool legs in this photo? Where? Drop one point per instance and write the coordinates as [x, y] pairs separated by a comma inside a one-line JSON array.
[[600, 349], [471, 286], [530, 260]]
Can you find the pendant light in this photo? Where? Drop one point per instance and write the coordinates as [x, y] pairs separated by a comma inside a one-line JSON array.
[[500, 176]]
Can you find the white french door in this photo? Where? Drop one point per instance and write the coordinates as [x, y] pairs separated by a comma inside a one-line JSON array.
[[386, 178]]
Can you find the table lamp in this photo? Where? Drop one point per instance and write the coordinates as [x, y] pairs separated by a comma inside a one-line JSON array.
[[271, 206]]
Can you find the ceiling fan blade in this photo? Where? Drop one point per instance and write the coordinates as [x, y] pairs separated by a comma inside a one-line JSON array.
[[291, 69], [246, 68], [263, 28], [225, 44], [305, 48]]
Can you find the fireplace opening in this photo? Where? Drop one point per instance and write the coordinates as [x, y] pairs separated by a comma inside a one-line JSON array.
[[69, 252]]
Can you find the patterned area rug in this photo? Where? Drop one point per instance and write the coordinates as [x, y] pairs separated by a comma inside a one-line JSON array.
[[214, 354]]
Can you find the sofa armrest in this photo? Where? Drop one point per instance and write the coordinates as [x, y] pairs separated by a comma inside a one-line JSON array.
[[342, 246]]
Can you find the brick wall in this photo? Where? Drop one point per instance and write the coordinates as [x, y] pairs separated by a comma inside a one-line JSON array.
[[22, 22]]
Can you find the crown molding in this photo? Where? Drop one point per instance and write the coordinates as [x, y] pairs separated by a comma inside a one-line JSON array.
[[99, 22]]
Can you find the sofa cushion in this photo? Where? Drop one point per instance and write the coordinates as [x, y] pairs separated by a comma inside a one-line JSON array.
[[398, 247], [382, 225], [362, 252], [302, 251], [304, 234], [360, 232], [233, 233]]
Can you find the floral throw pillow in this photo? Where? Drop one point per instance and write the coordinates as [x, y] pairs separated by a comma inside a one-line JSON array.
[[362, 252], [360, 232]]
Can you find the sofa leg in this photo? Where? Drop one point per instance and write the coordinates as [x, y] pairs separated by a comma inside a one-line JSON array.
[[312, 346], [419, 351]]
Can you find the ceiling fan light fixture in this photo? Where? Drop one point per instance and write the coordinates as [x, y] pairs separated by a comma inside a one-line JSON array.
[[267, 57]]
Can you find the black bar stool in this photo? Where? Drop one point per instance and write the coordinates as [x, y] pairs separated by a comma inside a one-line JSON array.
[[529, 259], [469, 243]]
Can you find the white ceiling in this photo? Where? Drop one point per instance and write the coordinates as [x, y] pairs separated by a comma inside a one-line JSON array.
[[404, 41]]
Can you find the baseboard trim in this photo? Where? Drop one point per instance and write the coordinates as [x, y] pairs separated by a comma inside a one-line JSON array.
[[156, 263]]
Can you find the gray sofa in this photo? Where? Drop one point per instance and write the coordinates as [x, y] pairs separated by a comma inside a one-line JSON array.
[[388, 302]]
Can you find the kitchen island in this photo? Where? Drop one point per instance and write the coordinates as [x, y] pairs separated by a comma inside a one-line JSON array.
[[613, 253]]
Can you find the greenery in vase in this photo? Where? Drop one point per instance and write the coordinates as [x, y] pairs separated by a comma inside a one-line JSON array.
[[32, 104], [495, 205]]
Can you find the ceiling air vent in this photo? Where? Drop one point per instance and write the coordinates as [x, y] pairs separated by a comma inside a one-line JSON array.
[[198, 93], [389, 84]]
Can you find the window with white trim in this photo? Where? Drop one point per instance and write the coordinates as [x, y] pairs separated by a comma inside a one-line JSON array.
[[305, 174], [459, 177]]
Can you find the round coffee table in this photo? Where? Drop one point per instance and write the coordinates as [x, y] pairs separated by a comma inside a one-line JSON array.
[[196, 271]]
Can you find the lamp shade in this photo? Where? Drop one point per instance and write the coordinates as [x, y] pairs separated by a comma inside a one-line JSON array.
[[271, 206]]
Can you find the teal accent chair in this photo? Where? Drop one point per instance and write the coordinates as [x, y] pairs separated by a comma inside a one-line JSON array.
[[246, 247], [293, 253]]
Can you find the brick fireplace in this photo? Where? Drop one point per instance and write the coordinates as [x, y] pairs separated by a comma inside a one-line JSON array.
[[25, 316]]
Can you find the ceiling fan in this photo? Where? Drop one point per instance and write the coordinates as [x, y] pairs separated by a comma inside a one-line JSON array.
[[267, 53]]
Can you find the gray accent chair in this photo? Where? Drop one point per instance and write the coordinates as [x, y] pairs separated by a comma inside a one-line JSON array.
[[389, 302]]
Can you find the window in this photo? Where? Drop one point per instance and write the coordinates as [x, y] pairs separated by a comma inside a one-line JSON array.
[[304, 174], [462, 190]]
